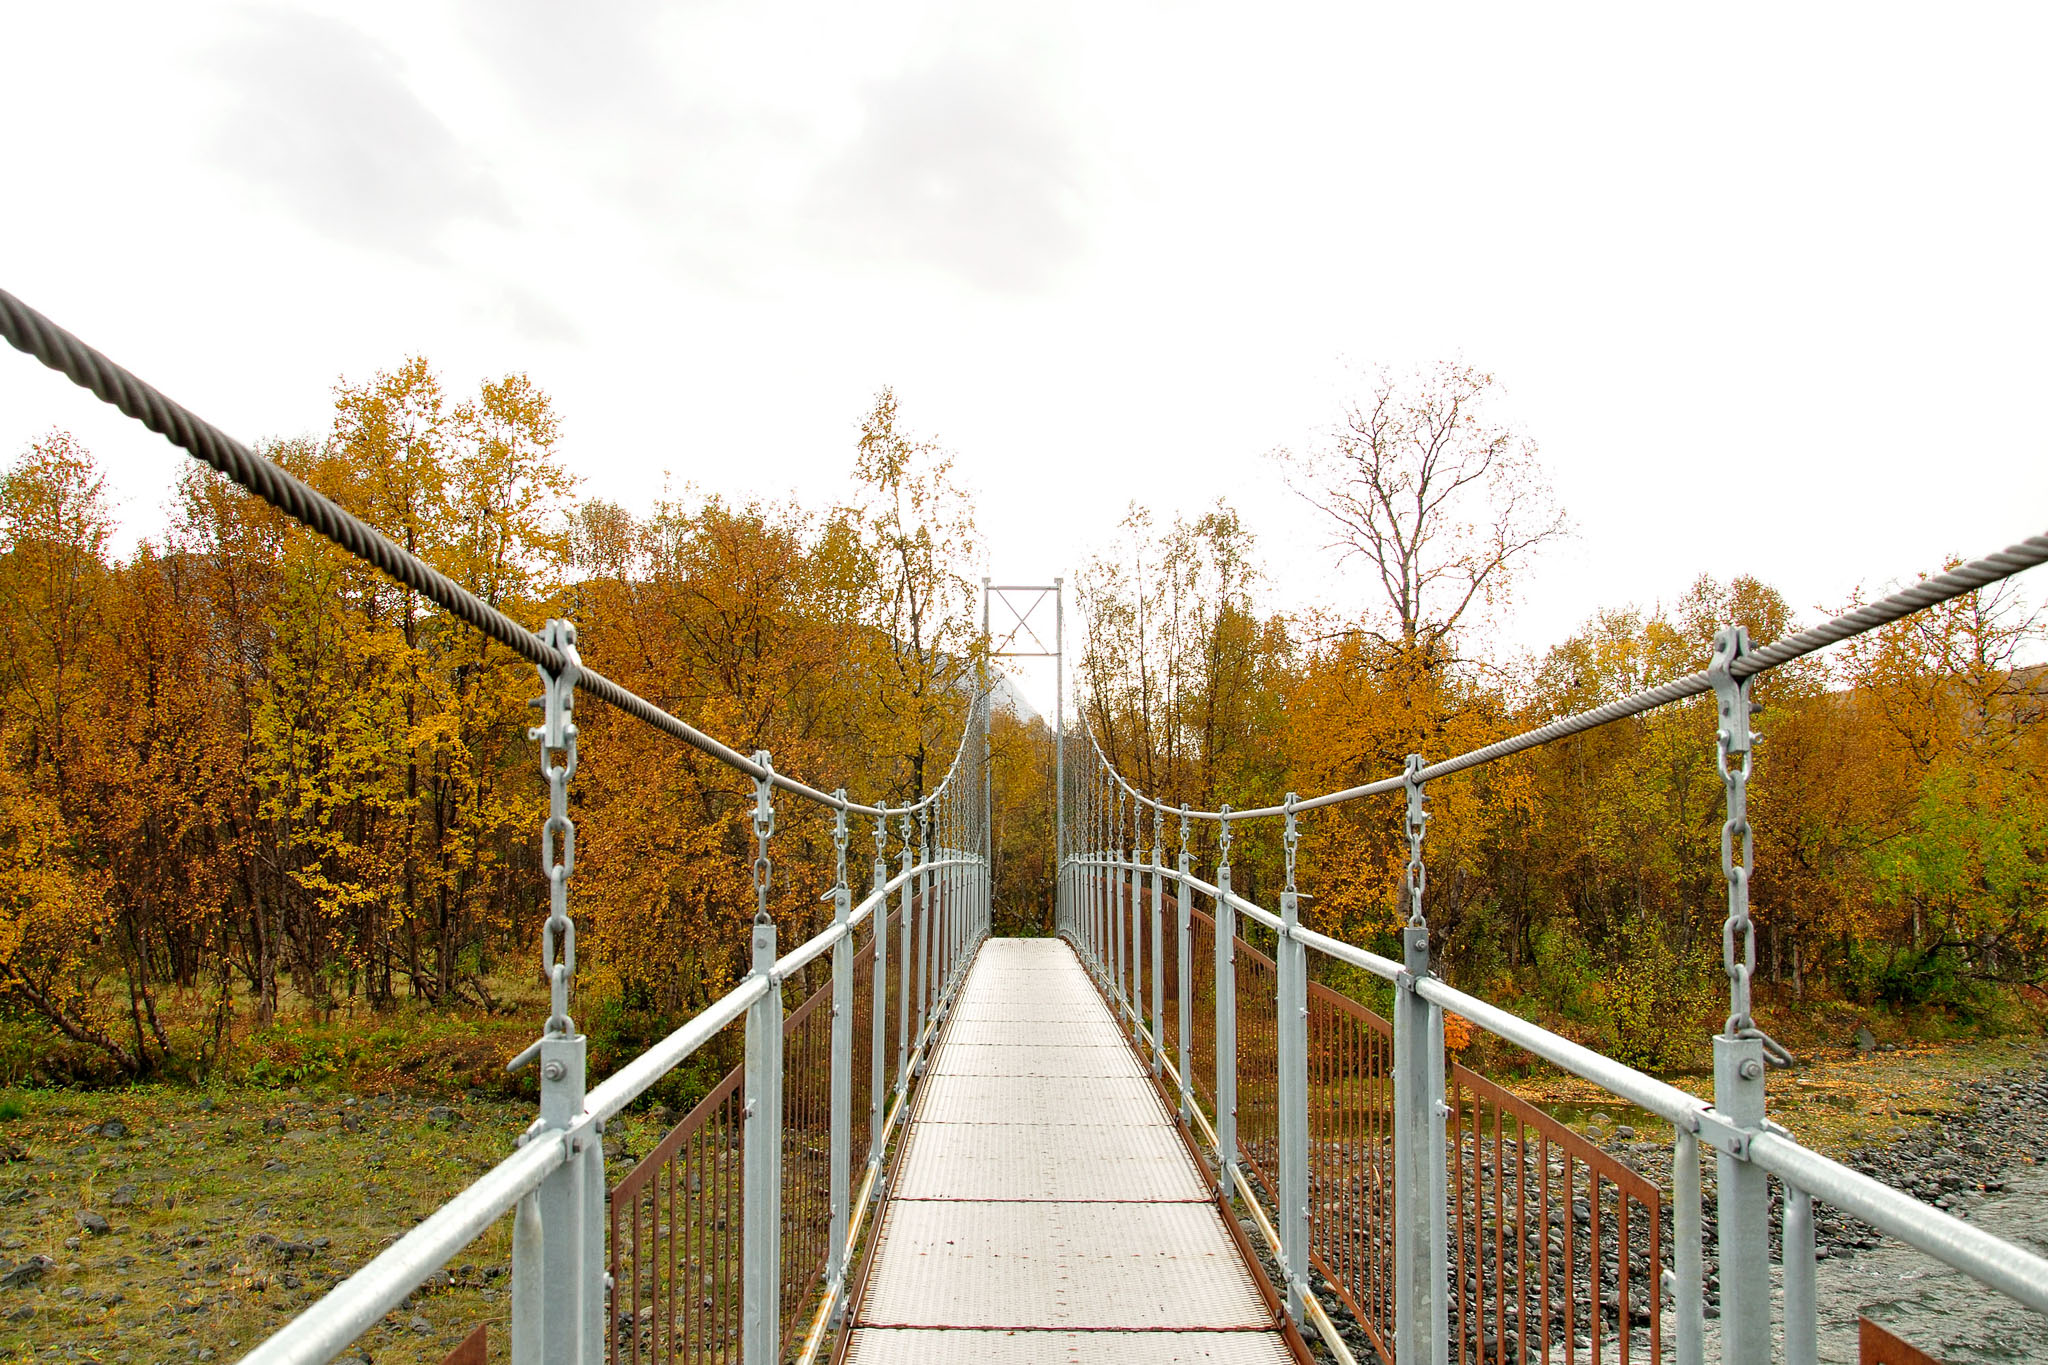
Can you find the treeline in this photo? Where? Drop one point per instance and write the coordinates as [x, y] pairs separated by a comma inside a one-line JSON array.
[[1899, 795], [243, 775], [239, 768]]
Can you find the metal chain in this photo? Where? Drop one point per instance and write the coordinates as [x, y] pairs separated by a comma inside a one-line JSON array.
[[1291, 839], [1158, 835], [1733, 755], [1223, 836], [839, 839], [764, 830], [1418, 828], [557, 735], [1183, 829]]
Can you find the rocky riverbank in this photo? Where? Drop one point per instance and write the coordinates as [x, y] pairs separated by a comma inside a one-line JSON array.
[[1955, 1128]]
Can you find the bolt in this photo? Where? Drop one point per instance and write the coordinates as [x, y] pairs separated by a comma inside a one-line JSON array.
[[554, 1071], [1751, 1069]]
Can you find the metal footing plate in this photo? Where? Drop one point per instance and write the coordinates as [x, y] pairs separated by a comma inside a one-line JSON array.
[[914, 1346], [1100, 1266], [1038, 1161]]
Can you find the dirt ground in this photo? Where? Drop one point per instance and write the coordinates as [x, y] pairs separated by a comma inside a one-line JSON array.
[[160, 1224]]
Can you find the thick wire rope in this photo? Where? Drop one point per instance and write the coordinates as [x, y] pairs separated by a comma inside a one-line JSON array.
[[29, 331], [1957, 582]]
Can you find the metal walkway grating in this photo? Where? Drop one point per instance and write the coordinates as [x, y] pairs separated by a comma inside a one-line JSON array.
[[1045, 1208]]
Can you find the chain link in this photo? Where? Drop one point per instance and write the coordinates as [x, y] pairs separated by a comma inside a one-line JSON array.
[[1291, 840], [1418, 829], [1223, 835], [1158, 836], [1734, 752], [1183, 829], [764, 830], [839, 838], [557, 735]]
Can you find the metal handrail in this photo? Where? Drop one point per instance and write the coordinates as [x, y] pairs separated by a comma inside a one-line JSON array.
[[1087, 916], [355, 1305], [360, 1301]]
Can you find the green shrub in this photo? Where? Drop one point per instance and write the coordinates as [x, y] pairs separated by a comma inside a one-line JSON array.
[[1913, 979]]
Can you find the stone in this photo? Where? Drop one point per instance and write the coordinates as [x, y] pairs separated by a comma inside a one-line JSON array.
[[94, 1223], [440, 1113], [122, 1198], [1866, 1041], [273, 1123], [282, 1249], [114, 1128], [422, 1326], [28, 1272], [1624, 1132]]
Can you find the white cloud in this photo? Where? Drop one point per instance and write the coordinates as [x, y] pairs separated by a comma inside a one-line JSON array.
[[323, 120]]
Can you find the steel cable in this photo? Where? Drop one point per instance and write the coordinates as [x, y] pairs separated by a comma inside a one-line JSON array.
[[1965, 578], [29, 331]]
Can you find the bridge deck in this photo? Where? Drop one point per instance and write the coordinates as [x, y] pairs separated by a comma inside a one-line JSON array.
[[1045, 1208]]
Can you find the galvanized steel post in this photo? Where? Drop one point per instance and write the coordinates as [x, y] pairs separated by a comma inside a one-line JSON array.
[[566, 1322], [761, 1173], [1744, 1212], [1158, 942], [1226, 1015], [924, 952], [1096, 894], [1291, 1033], [1419, 1157], [529, 1283], [905, 981], [878, 1058], [1116, 908], [1136, 881], [1688, 1252], [761, 1132], [1059, 726], [1741, 1048], [1184, 902], [1802, 1321], [841, 1174]]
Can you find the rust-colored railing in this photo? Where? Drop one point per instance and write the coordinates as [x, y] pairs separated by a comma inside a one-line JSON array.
[[675, 1217], [1553, 1240], [1351, 1157], [1258, 1068], [1550, 1235], [675, 1239]]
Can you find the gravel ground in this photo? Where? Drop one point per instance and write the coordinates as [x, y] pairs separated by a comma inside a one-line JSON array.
[[1953, 1145]]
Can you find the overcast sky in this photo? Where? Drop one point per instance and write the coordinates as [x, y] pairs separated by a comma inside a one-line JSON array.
[[1765, 284]]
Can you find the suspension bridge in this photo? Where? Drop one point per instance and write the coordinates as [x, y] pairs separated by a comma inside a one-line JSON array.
[[1156, 1137]]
